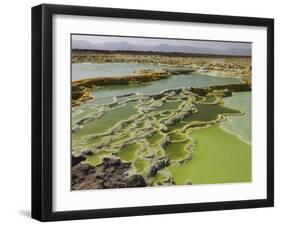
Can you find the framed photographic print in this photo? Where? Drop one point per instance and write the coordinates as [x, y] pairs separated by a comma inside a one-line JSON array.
[[146, 112]]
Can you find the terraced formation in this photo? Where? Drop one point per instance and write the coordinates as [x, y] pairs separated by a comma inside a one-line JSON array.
[[126, 133]]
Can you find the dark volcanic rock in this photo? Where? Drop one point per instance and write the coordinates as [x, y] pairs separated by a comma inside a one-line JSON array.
[[136, 181], [111, 173], [181, 71], [77, 160], [162, 163], [224, 90], [222, 93]]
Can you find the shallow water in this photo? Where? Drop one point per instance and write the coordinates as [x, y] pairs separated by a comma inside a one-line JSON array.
[[219, 157], [154, 139], [205, 113], [104, 123], [177, 150], [133, 127], [129, 152], [90, 70], [239, 125], [209, 112], [155, 87]]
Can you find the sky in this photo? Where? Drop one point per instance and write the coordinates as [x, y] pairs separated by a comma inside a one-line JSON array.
[[156, 44]]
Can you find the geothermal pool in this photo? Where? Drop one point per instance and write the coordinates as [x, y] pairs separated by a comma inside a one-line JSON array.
[[207, 140]]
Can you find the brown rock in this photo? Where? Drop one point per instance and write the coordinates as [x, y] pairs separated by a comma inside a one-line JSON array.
[[76, 160], [111, 173]]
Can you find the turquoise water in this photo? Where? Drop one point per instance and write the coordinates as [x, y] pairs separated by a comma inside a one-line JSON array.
[[177, 81], [89, 70], [239, 125]]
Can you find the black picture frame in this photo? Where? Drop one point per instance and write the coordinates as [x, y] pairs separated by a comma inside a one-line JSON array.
[[42, 108]]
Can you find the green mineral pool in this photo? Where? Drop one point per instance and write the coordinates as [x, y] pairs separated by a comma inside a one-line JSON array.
[[129, 151], [219, 157]]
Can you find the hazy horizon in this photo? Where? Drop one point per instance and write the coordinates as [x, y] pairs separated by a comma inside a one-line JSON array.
[[160, 45]]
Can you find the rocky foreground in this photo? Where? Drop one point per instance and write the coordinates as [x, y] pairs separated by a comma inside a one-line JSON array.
[[111, 173]]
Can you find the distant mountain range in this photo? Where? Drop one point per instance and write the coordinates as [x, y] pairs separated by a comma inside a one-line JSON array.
[[125, 46]]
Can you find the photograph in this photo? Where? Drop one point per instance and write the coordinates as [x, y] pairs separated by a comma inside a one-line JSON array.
[[153, 111], [145, 112]]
